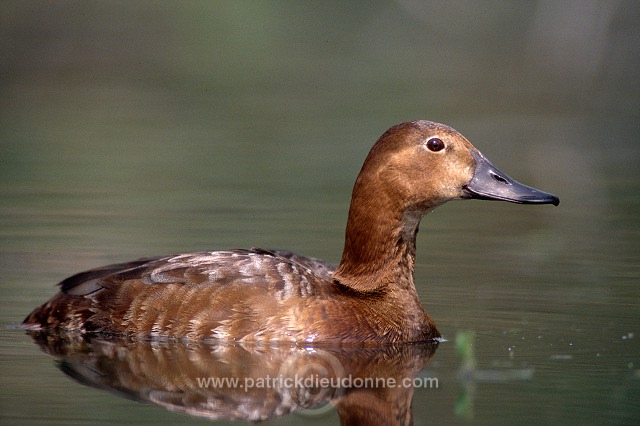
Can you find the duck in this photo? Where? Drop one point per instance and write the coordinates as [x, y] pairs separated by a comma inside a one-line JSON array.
[[259, 296]]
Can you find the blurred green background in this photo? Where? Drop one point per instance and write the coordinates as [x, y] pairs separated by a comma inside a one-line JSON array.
[[131, 129]]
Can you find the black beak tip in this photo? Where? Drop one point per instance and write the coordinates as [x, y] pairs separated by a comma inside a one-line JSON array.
[[540, 198]]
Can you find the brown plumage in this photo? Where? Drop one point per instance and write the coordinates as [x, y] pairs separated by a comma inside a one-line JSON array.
[[277, 296]]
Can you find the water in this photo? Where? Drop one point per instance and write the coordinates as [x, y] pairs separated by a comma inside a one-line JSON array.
[[134, 130]]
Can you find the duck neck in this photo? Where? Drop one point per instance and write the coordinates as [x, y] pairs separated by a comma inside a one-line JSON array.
[[380, 244]]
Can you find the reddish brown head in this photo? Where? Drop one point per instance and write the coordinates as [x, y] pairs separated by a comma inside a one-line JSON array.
[[413, 168]]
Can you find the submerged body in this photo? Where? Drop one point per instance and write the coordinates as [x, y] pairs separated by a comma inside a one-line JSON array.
[[277, 296], [235, 295]]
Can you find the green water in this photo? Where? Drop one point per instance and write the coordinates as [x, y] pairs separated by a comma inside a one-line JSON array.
[[138, 129]]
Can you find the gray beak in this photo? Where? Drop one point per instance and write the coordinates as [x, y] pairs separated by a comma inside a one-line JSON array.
[[489, 183]]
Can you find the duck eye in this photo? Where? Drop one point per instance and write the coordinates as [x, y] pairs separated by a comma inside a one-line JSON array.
[[435, 144]]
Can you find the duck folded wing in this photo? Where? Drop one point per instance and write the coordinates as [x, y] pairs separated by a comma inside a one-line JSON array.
[[184, 295]]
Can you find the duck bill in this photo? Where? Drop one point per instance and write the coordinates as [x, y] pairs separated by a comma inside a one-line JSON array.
[[490, 183]]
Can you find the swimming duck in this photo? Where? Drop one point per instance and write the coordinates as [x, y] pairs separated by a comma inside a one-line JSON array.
[[267, 296]]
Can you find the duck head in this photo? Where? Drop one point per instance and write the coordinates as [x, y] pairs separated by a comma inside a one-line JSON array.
[[426, 164], [413, 168]]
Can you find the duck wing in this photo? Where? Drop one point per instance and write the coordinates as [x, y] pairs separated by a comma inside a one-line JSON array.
[[183, 295]]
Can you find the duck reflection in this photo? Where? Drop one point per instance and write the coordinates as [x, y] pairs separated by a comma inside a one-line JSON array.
[[252, 383]]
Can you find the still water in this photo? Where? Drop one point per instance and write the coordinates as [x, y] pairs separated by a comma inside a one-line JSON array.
[[131, 131]]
